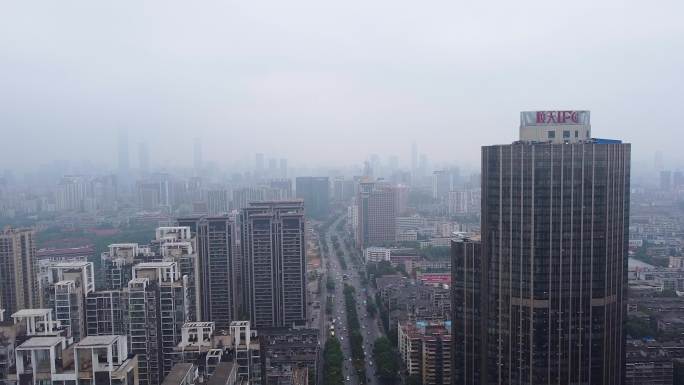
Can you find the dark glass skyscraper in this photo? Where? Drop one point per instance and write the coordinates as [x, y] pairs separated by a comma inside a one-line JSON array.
[[467, 306], [555, 220]]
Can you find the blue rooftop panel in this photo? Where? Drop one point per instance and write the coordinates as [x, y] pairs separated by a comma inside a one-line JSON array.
[[606, 141]]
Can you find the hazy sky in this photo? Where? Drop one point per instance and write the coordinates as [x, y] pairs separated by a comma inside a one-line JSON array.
[[330, 81]]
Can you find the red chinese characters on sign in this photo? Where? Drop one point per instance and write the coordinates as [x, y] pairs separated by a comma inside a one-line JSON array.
[[558, 117]]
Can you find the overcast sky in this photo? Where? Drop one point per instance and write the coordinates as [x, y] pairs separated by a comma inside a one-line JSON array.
[[330, 82]]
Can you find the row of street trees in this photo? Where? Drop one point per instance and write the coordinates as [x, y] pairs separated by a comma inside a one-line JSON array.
[[333, 360], [386, 361], [355, 336]]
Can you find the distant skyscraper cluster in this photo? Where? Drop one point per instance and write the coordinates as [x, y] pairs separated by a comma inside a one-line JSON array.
[[269, 168]]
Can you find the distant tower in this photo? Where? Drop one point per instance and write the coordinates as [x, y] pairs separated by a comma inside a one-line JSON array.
[[283, 168], [393, 163], [414, 157], [376, 205], [375, 164], [423, 165], [197, 155], [124, 162], [144, 158], [315, 191], [272, 167], [658, 162], [367, 169], [259, 165]]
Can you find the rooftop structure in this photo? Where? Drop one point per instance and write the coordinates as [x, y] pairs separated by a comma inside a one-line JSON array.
[[117, 263], [173, 233], [164, 271], [181, 374], [36, 321], [97, 360], [555, 126]]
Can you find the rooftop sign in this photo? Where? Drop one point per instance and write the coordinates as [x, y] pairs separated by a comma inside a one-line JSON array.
[[553, 118]]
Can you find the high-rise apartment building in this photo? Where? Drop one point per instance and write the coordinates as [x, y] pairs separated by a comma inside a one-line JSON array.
[[377, 214], [157, 310], [18, 288], [315, 191], [63, 288], [216, 237], [274, 267], [216, 268], [553, 263], [107, 313], [177, 244]]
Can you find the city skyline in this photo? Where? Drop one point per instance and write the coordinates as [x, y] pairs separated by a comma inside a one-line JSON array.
[[444, 75], [341, 193]]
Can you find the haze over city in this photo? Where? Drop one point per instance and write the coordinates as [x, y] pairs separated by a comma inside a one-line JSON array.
[[341, 193], [338, 80]]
